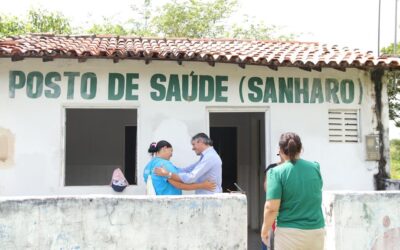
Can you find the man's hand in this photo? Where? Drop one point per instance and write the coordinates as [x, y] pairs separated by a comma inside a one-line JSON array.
[[160, 171], [265, 235]]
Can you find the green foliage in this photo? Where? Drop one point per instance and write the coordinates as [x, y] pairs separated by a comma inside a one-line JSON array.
[[43, 21], [393, 87], [193, 18], [107, 27], [140, 23], [395, 159], [10, 25], [179, 18], [389, 50], [37, 21], [250, 29], [393, 90]]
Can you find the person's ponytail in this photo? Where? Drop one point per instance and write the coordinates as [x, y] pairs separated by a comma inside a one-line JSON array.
[[290, 144], [157, 146], [152, 148], [292, 150]]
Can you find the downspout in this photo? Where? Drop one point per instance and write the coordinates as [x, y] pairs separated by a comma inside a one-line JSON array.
[[382, 175]]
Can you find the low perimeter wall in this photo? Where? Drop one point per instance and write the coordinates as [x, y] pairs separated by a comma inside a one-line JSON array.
[[124, 222], [362, 220]]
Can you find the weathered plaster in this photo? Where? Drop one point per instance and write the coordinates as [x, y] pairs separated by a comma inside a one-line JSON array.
[[377, 76], [124, 222], [362, 220]]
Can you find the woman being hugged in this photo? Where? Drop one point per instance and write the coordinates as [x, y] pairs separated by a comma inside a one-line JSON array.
[[162, 153], [295, 192]]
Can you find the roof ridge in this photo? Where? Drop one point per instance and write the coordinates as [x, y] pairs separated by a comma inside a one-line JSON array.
[[162, 38]]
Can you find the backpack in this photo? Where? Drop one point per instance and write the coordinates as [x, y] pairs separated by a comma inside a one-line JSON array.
[[118, 181]]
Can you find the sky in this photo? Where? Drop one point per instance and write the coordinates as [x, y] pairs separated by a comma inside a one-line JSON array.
[[346, 23]]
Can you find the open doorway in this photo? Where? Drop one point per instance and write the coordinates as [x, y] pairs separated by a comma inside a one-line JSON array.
[[239, 138]]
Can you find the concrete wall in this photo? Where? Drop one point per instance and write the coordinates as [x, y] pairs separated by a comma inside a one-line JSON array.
[[122, 222], [37, 125], [354, 220], [362, 220]]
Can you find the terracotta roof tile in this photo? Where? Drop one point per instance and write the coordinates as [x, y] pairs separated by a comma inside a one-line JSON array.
[[251, 52]]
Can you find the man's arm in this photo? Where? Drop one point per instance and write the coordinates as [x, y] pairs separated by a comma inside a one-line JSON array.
[[201, 168], [188, 168], [204, 185], [161, 171]]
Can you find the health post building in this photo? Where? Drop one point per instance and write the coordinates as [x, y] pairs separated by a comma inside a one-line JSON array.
[[74, 108]]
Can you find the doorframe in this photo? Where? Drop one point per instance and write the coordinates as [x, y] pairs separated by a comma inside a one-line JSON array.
[[241, 109]]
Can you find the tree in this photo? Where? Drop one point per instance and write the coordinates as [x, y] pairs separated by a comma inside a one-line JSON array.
[[141, 21], [10, 25], [389, 50], [40, 20], [250, 29], [179, 18], [36, 21], [393, 96], [393, 88], [108, 27], [193, 18], [395, 158]]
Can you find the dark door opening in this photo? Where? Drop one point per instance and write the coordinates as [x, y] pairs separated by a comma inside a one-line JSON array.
[[224, 141], [130, 154]]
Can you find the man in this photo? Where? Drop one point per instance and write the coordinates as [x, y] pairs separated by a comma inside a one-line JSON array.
[[209, 167]]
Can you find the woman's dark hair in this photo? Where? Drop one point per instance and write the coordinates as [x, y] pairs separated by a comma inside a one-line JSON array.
[[157, 146], [290, 144]]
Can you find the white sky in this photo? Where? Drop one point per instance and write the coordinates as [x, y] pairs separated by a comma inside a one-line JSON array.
[[347, 23]]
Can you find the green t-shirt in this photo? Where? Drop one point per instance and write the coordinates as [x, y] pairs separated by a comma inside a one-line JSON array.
[[299, 187]]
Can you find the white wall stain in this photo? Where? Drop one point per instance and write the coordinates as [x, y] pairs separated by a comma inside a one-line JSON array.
[[7, 142]]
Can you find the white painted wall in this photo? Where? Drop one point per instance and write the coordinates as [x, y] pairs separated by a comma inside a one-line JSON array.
[[362, 220], [354, 220], [38, 124], [120, 222]]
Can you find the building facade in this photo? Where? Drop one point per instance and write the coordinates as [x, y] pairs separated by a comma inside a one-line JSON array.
[[72, 109]]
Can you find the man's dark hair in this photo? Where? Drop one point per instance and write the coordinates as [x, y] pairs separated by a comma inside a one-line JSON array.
[[204, 138]]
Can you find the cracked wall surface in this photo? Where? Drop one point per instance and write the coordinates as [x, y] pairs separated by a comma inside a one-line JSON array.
[[362, 220], [124, 222]]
